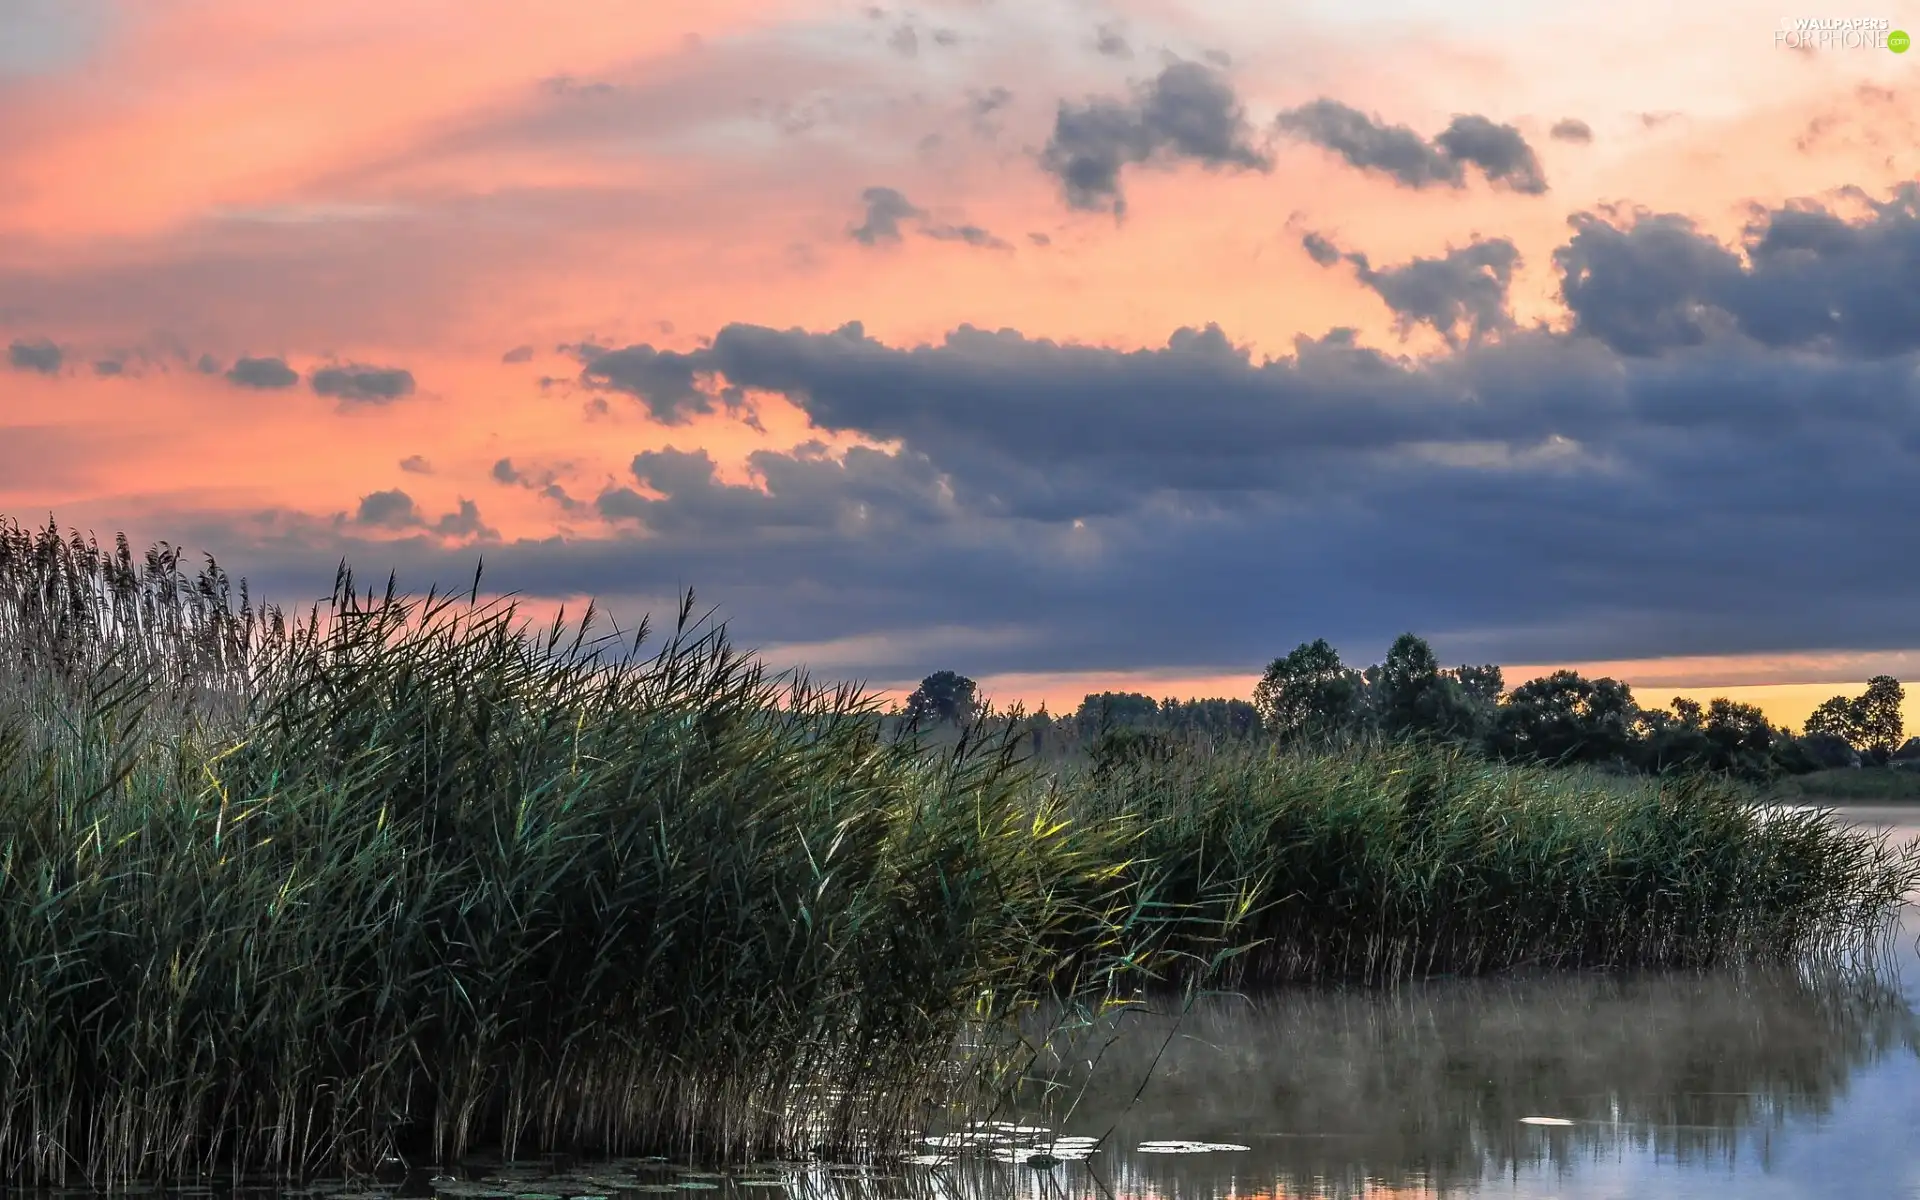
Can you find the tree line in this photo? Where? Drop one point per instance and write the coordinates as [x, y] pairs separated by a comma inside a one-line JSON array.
[[1310, 695]]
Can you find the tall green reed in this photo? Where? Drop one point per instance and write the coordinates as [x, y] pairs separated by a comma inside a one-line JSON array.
[[426, 878], [1386, 861]]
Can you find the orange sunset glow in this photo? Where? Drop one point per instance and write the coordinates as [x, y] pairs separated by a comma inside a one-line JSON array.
[[1077, 346]]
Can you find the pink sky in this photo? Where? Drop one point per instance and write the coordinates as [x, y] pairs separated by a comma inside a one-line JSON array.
[[431, 183]]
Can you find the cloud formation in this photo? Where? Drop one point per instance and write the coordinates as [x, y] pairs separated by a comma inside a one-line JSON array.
[[1804, 277], [362, 384], [395, 511], [262, 373], [1498, 151], [1542, 495], [665, 381], [39, 355], [1461, 294], [1710, 449], [1188, 112], [887, 208]]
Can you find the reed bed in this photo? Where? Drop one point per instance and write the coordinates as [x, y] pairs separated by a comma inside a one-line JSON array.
[[411, 876], [1389, 861]]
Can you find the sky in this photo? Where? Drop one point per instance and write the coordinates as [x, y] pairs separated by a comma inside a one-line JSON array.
[[1070, 344]]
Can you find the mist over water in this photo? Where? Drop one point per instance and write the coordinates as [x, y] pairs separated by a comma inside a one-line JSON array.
[[1759, 1082]]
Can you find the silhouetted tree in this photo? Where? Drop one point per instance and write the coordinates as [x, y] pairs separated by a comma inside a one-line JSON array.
[[1673, 740], [1484, 684], [942, 696], [1723, 735], [1101, 711], [1870, 723], [1413, 697], [1741, 739], [1879, 718], [1822, 751], [1566, 717], [1214, 718], [1834, 717], [1309, 693]]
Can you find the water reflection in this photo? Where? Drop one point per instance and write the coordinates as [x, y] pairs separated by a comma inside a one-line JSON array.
[[1434, 1086]]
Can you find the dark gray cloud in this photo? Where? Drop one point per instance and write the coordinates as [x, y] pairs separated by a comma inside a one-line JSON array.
[[887, 207], [362, 384], [862, 492], [518, 354], [1395, 150], [1189, 112], [544, 482], [1046, 506], [1804, 277], [1500, 153], [388, 510], [972, 235], [1111, 42], [262, 373], [415, 464], [464, 522], [35, 354], [664, 380], [1319, 249], [559, 496], [207, 364], [109, 367], [1461, 295], [395, 510], [904, 41], [1571, 129]]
